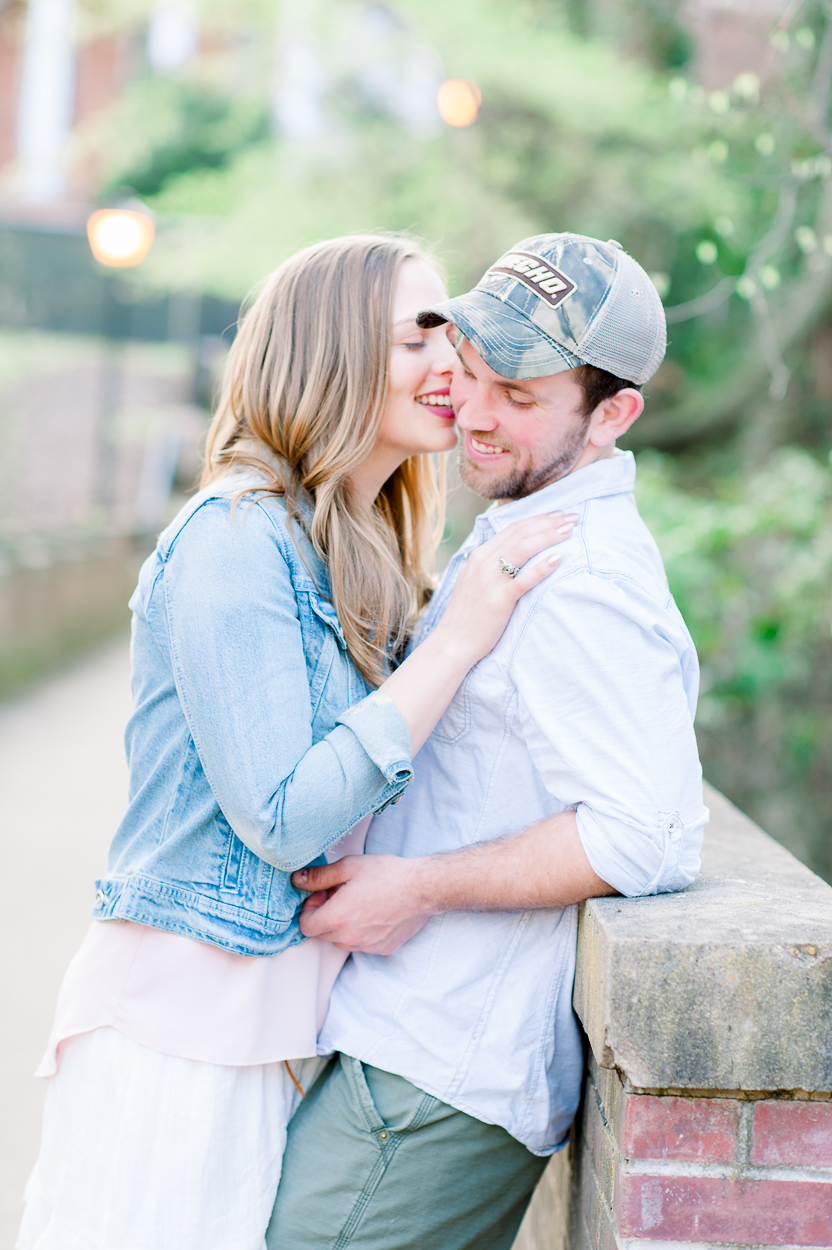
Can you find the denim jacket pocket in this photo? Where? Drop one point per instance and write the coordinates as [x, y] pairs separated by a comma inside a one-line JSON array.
[[256, 885], [234, 858], [327, 660], [325, 612]]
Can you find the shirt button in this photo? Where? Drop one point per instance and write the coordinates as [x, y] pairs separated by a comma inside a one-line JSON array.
[[383, 1135], [100, 896]]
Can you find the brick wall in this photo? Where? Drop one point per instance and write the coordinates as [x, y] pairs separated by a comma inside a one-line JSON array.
[[11, 27], [706, 1120], [707, 1171]]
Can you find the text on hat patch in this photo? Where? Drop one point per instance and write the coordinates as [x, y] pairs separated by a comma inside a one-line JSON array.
[[546, 281]]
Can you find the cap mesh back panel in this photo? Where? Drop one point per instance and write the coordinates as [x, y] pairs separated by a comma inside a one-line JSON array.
[[628, 337]]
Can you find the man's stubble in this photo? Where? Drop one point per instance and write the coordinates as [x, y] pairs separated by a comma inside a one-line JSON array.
[[518, 482]]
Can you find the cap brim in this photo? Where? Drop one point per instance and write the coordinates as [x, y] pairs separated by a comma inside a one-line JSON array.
[[507, 341]]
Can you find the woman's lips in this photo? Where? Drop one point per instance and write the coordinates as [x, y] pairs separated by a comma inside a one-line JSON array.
[[437, 402]]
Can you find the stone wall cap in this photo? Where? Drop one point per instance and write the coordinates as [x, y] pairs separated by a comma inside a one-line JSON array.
[[725, 986]]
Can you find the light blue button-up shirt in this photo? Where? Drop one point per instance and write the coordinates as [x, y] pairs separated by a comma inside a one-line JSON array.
[[587, 702]]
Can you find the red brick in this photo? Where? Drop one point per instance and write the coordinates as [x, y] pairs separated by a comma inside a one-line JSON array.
[[737, 1212], [796, 1134], [96, 76], [11, 45], [697, 1130]]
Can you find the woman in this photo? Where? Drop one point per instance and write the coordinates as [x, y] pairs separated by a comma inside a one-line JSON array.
[[267, 724]]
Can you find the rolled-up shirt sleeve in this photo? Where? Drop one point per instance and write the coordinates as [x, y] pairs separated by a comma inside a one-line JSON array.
[[606, 678], [226, 610]]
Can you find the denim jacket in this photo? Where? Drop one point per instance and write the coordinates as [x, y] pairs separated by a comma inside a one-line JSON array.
[[254, 744]]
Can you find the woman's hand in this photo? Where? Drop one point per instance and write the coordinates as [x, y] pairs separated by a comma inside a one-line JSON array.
[[484, 596], [481, 604]]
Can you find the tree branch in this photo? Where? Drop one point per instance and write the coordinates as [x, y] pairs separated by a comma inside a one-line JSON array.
[[706, 303], [720, 406], [819, 90]]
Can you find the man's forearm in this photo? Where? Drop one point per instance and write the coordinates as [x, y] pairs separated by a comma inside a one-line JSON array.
[[545, 866], [379, 901]]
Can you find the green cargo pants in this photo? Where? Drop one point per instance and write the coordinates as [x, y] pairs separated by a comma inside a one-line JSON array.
[[374, 1163]]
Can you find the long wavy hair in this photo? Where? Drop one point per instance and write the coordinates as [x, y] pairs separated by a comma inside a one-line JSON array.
[[306, 381]]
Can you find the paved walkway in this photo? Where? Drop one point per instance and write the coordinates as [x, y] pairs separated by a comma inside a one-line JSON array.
[[63, 784]]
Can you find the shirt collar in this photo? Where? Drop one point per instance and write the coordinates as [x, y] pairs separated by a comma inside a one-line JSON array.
[[615, 475]]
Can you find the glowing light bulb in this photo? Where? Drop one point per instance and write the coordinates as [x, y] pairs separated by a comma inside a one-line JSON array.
[[120, 237], [458, 101]]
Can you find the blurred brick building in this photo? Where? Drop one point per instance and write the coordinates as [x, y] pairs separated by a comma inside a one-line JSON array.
[[57, 72]]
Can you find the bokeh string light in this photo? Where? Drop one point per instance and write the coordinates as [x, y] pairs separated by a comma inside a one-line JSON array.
[[120, 238], [458, 101]]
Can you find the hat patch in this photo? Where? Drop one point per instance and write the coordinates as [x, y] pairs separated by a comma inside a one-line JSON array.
[[537, 274]]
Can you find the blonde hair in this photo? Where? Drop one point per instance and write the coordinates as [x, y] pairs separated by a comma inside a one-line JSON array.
[[307, 379]]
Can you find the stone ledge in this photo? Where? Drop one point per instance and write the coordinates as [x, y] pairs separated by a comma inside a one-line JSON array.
[[726, 986]]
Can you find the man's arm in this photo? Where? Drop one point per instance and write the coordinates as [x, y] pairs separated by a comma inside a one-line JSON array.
[[605, 715], [383, 900]]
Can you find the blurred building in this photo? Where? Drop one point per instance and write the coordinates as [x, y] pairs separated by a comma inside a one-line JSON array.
[[55, 77], [59, 71]]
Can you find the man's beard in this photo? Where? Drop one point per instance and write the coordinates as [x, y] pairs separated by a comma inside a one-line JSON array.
[[517, 482]]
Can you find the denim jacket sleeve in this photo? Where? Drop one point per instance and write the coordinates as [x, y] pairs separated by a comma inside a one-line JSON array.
[[224, 606]]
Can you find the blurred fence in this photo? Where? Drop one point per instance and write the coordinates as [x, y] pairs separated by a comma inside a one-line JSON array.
[[49, 281]]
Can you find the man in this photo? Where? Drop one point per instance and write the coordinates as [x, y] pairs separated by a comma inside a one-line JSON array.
[[564, 768]]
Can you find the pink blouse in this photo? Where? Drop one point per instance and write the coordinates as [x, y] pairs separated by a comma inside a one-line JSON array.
[[191, 999]]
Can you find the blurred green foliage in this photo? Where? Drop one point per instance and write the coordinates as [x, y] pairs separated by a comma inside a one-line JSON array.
[[175, 125], [570, 136], [749, 560]]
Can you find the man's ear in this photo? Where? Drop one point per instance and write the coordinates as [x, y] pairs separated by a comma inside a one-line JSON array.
[[613, 417]]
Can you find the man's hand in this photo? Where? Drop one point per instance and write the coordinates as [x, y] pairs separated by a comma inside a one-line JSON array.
[[373, 903], [369, 903]]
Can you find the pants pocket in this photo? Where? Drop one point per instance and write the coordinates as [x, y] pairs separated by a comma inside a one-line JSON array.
[[390, 1105]]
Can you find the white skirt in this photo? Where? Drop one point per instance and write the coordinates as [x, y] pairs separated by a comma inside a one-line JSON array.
[[148, 1151]]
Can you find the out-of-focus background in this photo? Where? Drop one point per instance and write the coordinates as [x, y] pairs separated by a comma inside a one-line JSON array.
[[696, 132]]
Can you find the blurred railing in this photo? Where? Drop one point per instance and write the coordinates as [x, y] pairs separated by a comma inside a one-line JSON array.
[[49, 281]]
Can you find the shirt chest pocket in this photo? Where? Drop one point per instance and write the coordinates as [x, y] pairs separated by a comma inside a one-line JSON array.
[[456, 721]]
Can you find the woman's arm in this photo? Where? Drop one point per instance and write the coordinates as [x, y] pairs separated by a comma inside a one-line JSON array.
[[479, 610], [225, 608]]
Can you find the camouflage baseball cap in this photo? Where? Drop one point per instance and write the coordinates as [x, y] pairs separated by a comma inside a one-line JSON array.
[[556, 301]]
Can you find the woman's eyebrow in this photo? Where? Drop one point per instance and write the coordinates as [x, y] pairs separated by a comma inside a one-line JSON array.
[[404, 321]]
